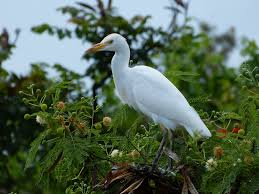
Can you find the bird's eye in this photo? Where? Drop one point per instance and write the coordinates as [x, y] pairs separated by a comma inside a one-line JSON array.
[[110, 41]]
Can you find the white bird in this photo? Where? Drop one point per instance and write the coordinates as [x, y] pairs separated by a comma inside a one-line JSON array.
[[149, 91]]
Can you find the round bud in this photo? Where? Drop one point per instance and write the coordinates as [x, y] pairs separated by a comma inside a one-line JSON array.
[[60, 130], [235, 130], [20, 92], [43, 107], [107, 121], [60, 105], [248, 159], [241, 132], [134, 154], [98, 126], [257, 76], [27, 116], [218, 151]]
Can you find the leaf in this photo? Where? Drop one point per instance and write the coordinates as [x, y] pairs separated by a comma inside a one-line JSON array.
[[34, 149], [86, 6], [250, 186], [183, 75], [191, 187], [133, 186], [172, 155]]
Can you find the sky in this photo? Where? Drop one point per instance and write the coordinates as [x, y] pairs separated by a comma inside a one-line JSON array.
[[23, 14]]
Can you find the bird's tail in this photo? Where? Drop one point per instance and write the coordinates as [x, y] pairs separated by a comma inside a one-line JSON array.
[[197, 126]]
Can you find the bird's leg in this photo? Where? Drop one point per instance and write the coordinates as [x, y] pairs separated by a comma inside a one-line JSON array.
[[160, 149], [170, 160]]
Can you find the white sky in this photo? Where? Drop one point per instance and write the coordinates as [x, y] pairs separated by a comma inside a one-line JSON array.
[[243, 15]]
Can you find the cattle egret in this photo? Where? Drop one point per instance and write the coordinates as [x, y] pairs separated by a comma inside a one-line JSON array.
[[150, 92]]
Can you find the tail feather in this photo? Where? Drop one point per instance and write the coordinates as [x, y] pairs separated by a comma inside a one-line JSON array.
[[196, 125]]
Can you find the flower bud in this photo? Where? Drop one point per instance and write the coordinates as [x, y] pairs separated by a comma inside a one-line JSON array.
[[98, 126], [241, 132], [218, 151], [43, 107], [134, 154], [60, 105], [248, 159], [107, 121], [60, 130], [27, 116], [235, 130]]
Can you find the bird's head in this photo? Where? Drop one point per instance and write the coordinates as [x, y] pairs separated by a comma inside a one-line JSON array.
[[112, 42]]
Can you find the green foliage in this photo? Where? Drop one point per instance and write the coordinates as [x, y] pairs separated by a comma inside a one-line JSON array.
[[74, 149]]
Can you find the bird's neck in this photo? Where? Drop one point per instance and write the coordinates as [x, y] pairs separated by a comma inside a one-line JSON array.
[[120, 60]]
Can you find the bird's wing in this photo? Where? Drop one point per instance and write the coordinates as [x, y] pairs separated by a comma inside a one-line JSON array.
[[155, 94]]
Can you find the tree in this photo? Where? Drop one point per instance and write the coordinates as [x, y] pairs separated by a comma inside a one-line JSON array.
[[82, 145]]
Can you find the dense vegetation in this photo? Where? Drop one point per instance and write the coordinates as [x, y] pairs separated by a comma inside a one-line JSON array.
[[65, 136]]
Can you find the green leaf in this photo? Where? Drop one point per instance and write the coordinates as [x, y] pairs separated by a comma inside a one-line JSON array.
[[34, 149]]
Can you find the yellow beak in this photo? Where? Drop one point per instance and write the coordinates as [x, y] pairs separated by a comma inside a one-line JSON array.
[[97, 47]]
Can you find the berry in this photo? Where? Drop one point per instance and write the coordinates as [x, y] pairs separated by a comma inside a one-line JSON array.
[[43, 107], [27, 116]]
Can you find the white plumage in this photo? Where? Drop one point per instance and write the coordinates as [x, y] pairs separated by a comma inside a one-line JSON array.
[[149, 91]]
